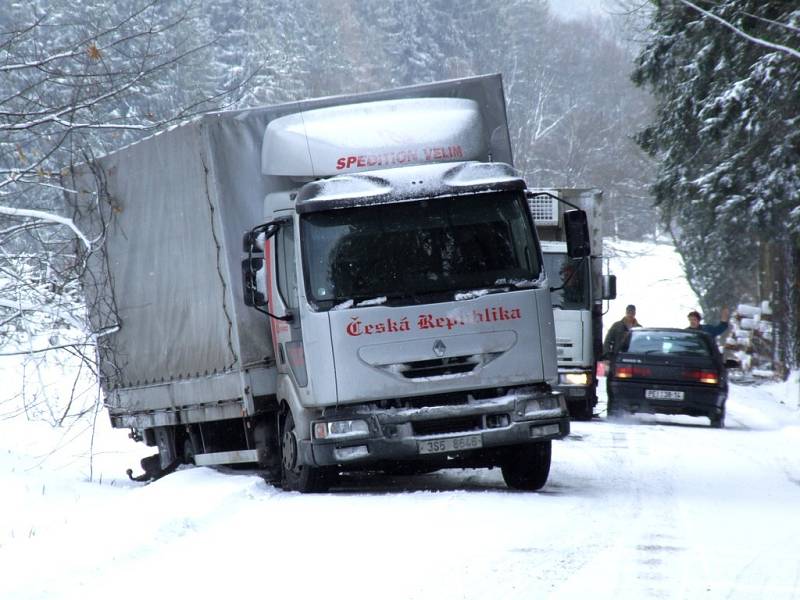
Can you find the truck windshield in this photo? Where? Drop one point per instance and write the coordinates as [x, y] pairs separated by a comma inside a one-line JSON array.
[[410, 250], [573, 275]]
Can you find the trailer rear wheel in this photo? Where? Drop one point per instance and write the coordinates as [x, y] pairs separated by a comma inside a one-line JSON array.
[[294, 476], [527, 467]]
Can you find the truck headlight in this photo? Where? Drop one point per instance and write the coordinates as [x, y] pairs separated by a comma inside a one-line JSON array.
[[575, 378], [340, 430], [550, 403]]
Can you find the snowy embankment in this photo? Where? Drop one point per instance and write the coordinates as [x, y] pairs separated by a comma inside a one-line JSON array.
[[645, 507]]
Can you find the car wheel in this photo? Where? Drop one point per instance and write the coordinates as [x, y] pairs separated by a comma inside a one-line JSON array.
[[613, 409], [294, 476], [527, 467]]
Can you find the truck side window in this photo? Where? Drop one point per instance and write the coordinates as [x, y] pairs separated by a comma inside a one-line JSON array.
[[286, 268]]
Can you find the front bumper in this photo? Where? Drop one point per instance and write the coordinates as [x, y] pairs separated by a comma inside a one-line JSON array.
[[399, 434], [578, 395]]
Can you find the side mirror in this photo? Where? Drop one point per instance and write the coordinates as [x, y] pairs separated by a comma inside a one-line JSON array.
[[253, 243], [250, 271], [577, 230], [609, 287], [254, 240]]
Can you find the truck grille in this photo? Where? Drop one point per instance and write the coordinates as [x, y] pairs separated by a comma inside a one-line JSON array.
[[437, 367], [451, 425]]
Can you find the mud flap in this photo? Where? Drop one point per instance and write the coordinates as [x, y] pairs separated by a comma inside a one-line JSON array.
[[152, 469]]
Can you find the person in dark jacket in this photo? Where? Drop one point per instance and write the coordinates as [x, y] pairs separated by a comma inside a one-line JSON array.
[[713, 330], [619, 330]]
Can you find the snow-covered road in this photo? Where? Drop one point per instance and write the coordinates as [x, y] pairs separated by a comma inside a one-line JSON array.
[[639, 508], [645, 507]]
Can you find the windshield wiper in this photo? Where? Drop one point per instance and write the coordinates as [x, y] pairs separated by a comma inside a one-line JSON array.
[[418, 297]]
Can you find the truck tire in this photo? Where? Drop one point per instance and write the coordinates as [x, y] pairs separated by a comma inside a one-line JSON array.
[[527, 467], [296, 477], [584, 412]]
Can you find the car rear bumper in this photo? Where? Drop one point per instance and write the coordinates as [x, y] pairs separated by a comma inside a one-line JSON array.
[[697, 400]]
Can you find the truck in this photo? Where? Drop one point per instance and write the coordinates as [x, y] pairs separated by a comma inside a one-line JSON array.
[[351, 283], [579, 288]]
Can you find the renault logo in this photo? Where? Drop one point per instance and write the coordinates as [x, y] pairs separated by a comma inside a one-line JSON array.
[[439, 348]]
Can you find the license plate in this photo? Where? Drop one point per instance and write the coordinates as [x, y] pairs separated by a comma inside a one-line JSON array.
[[454, 444], [663, 395]]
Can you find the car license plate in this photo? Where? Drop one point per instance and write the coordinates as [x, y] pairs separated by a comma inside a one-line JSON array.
[[663, 395], [454, 444]]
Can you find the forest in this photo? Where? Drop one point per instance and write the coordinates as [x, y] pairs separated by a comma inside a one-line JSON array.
[[685, 115]]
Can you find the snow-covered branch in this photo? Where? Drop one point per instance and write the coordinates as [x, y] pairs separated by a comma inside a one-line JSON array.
[[732, 27], [46, 216]]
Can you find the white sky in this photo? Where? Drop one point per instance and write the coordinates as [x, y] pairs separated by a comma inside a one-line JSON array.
[[577, 8]]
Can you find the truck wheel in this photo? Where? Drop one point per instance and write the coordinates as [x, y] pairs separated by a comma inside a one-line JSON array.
[[294, 476], [584, 412], [527, 467]]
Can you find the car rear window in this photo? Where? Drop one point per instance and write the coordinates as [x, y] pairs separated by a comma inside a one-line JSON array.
[[668, 342]]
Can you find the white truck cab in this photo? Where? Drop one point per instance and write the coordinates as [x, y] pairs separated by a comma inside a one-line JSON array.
[[579, 288]]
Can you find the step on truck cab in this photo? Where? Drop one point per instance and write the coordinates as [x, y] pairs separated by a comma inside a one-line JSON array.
[[579, 288], [386, 309]]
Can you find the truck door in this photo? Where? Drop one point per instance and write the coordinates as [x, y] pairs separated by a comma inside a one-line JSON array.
[[288, 334]]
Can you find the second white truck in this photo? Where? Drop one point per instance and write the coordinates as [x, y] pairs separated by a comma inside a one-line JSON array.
[[579, 288]]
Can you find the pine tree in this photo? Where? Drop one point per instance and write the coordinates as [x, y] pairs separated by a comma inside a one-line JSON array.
[[728, 142]]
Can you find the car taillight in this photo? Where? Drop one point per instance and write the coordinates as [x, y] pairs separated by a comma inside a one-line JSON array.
[[626, 372], [702, 376], [623, 372]]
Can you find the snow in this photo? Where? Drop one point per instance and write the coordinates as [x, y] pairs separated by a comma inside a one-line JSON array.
[[641, 507], [344, 305], [649, 276], [521, 283], [373, 301], [470, 295]]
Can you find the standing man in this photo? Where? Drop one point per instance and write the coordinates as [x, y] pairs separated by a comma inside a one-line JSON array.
[[619, 330], [713, 330]]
